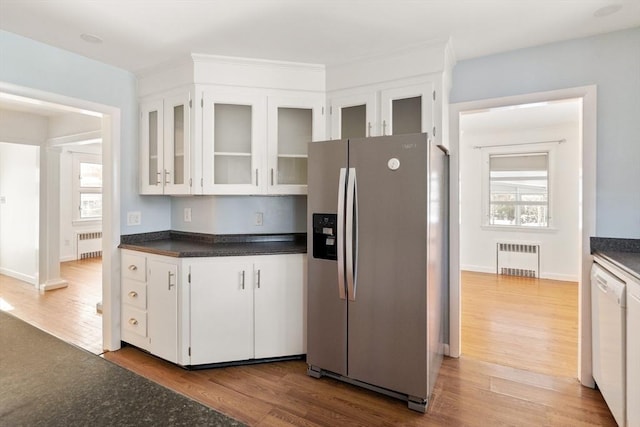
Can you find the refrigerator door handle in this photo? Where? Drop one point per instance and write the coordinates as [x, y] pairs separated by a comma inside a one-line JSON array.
[[340, 237], [351, 234]]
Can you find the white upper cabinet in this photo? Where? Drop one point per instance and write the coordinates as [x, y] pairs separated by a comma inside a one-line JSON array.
[[233, 134], [292, 123], [407, 109], [354, 116], [247, 129], [256, 143], [165, 145], [402, 92]]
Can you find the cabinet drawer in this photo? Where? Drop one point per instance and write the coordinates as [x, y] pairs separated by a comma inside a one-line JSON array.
[[134, 320], [134, 267], [134, 293]]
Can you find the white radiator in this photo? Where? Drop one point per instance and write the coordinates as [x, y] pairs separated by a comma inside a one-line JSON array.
[[518, 259], [89, 244]]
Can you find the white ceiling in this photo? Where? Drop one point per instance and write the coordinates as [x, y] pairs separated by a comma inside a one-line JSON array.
[[140, 34]]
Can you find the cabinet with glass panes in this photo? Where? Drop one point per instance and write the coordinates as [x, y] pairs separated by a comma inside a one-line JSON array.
[[165, 144], [390, 109], [256, 142]]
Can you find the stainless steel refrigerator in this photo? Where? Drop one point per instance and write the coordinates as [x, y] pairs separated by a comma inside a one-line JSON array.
[[377, 263]]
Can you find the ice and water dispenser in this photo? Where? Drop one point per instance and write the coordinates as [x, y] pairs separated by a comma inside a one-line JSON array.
[[325, 228]]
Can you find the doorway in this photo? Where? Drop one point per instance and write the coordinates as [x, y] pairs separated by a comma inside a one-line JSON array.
[[498, 148], [49, 239]]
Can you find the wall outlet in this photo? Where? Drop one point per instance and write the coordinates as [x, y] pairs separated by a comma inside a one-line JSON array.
[[187, 214], [258, 219], [134, 218]]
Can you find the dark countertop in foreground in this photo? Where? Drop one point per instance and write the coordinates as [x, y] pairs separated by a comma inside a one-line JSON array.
[[623, 253], [183, 245], [72, 387]]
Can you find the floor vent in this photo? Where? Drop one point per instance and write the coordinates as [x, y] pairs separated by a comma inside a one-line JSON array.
[[89, 245], [518, 259]]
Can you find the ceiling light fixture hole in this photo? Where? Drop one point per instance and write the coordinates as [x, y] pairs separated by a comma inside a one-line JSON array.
[[91, 38], [607, 10]]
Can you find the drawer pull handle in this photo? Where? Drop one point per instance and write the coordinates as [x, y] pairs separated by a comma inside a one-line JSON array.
[[133, 321], [133, 267], [133, 294]]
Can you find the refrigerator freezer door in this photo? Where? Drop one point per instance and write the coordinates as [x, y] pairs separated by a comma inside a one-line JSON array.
[[326, 310], [387, 337]]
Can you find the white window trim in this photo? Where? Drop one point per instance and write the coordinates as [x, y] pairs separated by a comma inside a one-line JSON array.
[[550, 149], [76, 189]]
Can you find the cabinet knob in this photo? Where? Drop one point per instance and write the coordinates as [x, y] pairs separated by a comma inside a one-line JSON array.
[[133, 267], [133, 294], [133, 321]]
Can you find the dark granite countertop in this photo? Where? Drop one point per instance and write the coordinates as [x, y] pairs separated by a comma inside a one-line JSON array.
[[183, 244], [623, 253], [72, 387]]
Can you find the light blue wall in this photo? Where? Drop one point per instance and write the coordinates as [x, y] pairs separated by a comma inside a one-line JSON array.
[[25, 62], [610, 61], [236, 214]]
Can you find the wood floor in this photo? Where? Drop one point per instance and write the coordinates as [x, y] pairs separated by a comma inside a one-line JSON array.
[[480, 388], [67, 313], [522, 322]]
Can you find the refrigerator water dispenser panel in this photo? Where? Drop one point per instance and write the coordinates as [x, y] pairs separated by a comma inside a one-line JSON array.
[[325, 236]]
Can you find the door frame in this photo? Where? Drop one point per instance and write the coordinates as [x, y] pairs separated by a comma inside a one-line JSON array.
[[111, 125], [587, 209]]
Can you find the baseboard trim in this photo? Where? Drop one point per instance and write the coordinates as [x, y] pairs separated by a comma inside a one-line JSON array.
[[543, 274], [20, 276], [50, 285]]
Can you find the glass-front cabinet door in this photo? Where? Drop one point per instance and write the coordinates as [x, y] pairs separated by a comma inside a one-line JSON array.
[[292, 124], [407, 109], [353, 116], [233, 132], [165, 145], [177, 144], [151, 146]]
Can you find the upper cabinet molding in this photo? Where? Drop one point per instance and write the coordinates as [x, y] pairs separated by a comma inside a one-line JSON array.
[[414, 61], [202, 69]]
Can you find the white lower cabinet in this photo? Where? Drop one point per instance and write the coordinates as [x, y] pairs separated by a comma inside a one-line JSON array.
[[162, 316], [247, 308], [221, 294], [279, 305], [194, 311]]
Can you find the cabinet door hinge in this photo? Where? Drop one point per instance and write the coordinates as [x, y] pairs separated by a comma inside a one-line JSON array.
[[189, 351], [202, 102], [323, 111], [189, 275], [331, 110], [190, 182], [201, 182], [190, 104], [434, 95]]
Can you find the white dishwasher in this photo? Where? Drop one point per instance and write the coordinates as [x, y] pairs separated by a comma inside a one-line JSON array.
[[608, 320], [633, 354]]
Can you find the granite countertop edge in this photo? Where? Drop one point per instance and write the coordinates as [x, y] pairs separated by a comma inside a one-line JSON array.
[[623, 253], [180, 244]]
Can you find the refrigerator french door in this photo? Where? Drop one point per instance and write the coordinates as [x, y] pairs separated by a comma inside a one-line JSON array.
[[377, 217]]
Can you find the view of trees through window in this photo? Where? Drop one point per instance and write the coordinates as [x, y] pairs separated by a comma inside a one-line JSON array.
[[519, 189], [90, 190]]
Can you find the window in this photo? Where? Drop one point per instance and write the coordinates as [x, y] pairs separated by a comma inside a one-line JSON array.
[[87, 187], [519, 190]]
